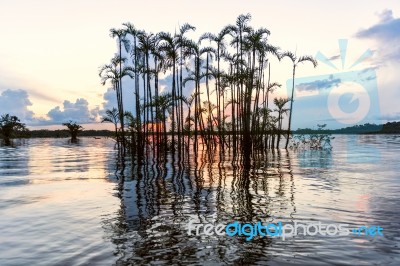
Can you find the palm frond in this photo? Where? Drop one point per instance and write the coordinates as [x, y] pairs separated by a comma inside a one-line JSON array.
[[185, 28], [290, 55], [308, 58]]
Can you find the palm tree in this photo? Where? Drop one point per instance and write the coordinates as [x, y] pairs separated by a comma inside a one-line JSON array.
[[163, 102], [135, 33], [295, 62], [194, 50], [280, 104], [219, 41], [169, 46], [112, 116], [120, 34], [189, 101], [110, 72], [182, 41], [255, 43], [146, 46]]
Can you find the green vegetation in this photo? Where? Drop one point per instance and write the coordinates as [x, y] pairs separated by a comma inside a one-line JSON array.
[[388, 128], [10, 126], [316, 140], [64, 133]]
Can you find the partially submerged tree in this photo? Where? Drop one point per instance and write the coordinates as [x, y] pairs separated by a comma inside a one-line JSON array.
[[235, 68], [10, 125], [73, 129], [111, 116], [296, 61]]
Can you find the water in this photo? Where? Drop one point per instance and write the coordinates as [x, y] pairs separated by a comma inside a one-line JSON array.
[[75, 204]]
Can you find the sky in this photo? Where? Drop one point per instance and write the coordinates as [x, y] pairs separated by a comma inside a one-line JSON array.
[[51, 51]]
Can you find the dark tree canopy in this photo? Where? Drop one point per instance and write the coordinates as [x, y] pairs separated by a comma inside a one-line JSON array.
[[10, 126], [73, 129]]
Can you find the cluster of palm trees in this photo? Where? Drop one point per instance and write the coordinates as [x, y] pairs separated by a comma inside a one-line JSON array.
[[228, 75]]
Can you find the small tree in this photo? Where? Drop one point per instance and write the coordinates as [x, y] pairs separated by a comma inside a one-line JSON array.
[[9, 126], [316, 140], [73, 129], [112, 117]]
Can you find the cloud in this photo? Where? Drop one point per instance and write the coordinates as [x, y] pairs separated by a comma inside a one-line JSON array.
[[335, 57], [77, 112], [318, 84], [110, 98], [164, 85], [386, 34], [387, 29], [16, 102], [391, 117]]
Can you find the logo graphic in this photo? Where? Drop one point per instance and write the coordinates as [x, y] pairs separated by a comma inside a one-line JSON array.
[[344, 98], [358, 94]]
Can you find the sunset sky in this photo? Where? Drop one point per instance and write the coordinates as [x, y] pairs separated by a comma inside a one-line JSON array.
[[51, 50]]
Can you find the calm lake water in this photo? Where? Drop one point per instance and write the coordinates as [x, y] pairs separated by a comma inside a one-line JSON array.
[[77, 204]]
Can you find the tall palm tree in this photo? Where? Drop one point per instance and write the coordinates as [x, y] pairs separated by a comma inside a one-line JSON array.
[[221, 46], [182, 41], [135, 33], [280, 104], [146, 46], [193, 49], [120, 34], [169, 46], [296, 61], [255, 44], [112, 72]]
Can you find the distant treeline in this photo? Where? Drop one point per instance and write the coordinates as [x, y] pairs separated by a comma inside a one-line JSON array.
[[388, 128], [61, 133]]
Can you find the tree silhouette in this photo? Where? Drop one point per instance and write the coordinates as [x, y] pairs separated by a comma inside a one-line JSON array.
[[280, 103], [230, 82], [9, 125], [295, 62], [73, 129], [112, 116]]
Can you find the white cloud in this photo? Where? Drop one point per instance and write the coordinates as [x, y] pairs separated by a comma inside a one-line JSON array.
[[386, 34], [76, 112], [16, 102]]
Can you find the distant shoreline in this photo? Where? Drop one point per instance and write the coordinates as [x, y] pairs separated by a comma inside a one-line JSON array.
[[366, 129]]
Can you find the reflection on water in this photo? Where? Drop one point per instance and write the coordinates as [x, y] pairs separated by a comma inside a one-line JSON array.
[[63, 203], [53, 197]]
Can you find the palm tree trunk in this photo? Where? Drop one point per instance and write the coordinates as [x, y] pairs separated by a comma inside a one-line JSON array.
[[290, 111]]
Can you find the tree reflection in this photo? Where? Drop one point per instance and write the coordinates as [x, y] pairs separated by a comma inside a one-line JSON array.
[[165, 192]]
